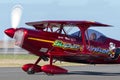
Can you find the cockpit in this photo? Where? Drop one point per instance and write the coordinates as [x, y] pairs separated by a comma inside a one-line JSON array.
[[91, 35]]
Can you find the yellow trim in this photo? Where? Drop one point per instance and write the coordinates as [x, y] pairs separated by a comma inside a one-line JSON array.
[[42, 40]]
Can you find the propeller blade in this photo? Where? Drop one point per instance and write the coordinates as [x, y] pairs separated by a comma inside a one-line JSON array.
[[16, 16]]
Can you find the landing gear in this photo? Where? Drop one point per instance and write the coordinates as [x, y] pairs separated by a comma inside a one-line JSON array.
[[49, 69], [52, 69], [30, 71], [32, 68]]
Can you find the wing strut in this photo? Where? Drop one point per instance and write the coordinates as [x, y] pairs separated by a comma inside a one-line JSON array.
[[83, 28]]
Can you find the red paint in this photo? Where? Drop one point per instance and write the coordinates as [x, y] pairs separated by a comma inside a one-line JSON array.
[[36, 68], [10, 32], [52, 69], [40, 43], [83, 29]]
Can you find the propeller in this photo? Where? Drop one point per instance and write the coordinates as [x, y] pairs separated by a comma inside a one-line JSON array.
[[16, 15], [15, 20]]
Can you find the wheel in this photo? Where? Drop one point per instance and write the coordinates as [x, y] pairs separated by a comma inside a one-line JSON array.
[[30, 71]]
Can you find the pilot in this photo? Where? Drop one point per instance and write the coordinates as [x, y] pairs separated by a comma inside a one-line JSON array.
[[93, 36]]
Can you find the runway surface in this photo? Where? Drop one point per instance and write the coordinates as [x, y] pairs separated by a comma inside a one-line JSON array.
[[86, 72]]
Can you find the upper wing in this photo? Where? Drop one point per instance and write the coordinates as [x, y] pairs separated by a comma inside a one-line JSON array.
[[42, 24]]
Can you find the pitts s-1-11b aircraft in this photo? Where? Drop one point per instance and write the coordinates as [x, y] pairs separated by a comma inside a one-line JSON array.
[[49, 40]]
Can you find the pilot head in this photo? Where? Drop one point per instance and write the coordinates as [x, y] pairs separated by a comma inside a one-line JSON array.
[[93, 36]]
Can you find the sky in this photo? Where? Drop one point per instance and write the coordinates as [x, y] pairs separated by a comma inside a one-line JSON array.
[[104, 11]]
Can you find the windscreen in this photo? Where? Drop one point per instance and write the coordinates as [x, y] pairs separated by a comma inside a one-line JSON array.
[[91, 35]]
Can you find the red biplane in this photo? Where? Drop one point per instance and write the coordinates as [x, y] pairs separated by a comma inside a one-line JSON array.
[[50, 40]]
